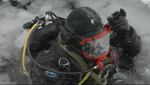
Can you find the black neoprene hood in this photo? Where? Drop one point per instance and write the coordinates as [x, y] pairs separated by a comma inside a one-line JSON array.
[[84, 22]]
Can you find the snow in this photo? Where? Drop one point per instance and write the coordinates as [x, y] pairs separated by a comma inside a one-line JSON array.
[[146, 1], [12, 19]]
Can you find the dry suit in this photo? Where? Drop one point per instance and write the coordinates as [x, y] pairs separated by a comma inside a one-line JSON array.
[[45, 48]]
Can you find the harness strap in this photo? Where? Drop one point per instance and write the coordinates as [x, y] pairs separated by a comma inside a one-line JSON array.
[[80, 61]]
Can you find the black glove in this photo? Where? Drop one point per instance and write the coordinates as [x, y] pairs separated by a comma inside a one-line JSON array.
[[119, 23]]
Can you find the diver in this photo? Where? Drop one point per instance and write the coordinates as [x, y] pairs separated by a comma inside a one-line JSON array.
[[81, 49]]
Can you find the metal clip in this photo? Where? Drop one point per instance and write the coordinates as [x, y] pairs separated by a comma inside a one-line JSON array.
[[64, 64]]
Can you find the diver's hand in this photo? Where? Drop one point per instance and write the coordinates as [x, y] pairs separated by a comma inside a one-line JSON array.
[[118, 22]]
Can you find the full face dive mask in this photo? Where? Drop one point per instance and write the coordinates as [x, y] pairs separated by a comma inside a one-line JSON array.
[[96, 47]]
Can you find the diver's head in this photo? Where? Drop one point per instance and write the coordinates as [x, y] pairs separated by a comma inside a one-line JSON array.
[[86, 32]]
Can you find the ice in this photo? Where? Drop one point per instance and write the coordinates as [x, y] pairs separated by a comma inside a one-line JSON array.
[[12, 19]]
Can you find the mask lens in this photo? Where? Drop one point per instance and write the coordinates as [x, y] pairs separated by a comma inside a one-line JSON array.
[[97, 47]]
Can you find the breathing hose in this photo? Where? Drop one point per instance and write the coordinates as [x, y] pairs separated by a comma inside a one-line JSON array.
[[85, 78], [23, 59], [26, 47]]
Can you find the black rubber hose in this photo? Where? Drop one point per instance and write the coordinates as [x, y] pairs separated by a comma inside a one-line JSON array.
[[48, 69]]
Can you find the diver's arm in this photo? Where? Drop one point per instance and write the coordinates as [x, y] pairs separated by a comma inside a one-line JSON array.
[[129, 42], [124, 36]]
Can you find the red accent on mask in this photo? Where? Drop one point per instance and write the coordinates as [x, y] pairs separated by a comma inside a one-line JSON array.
[[106, 30], [99, 59]]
